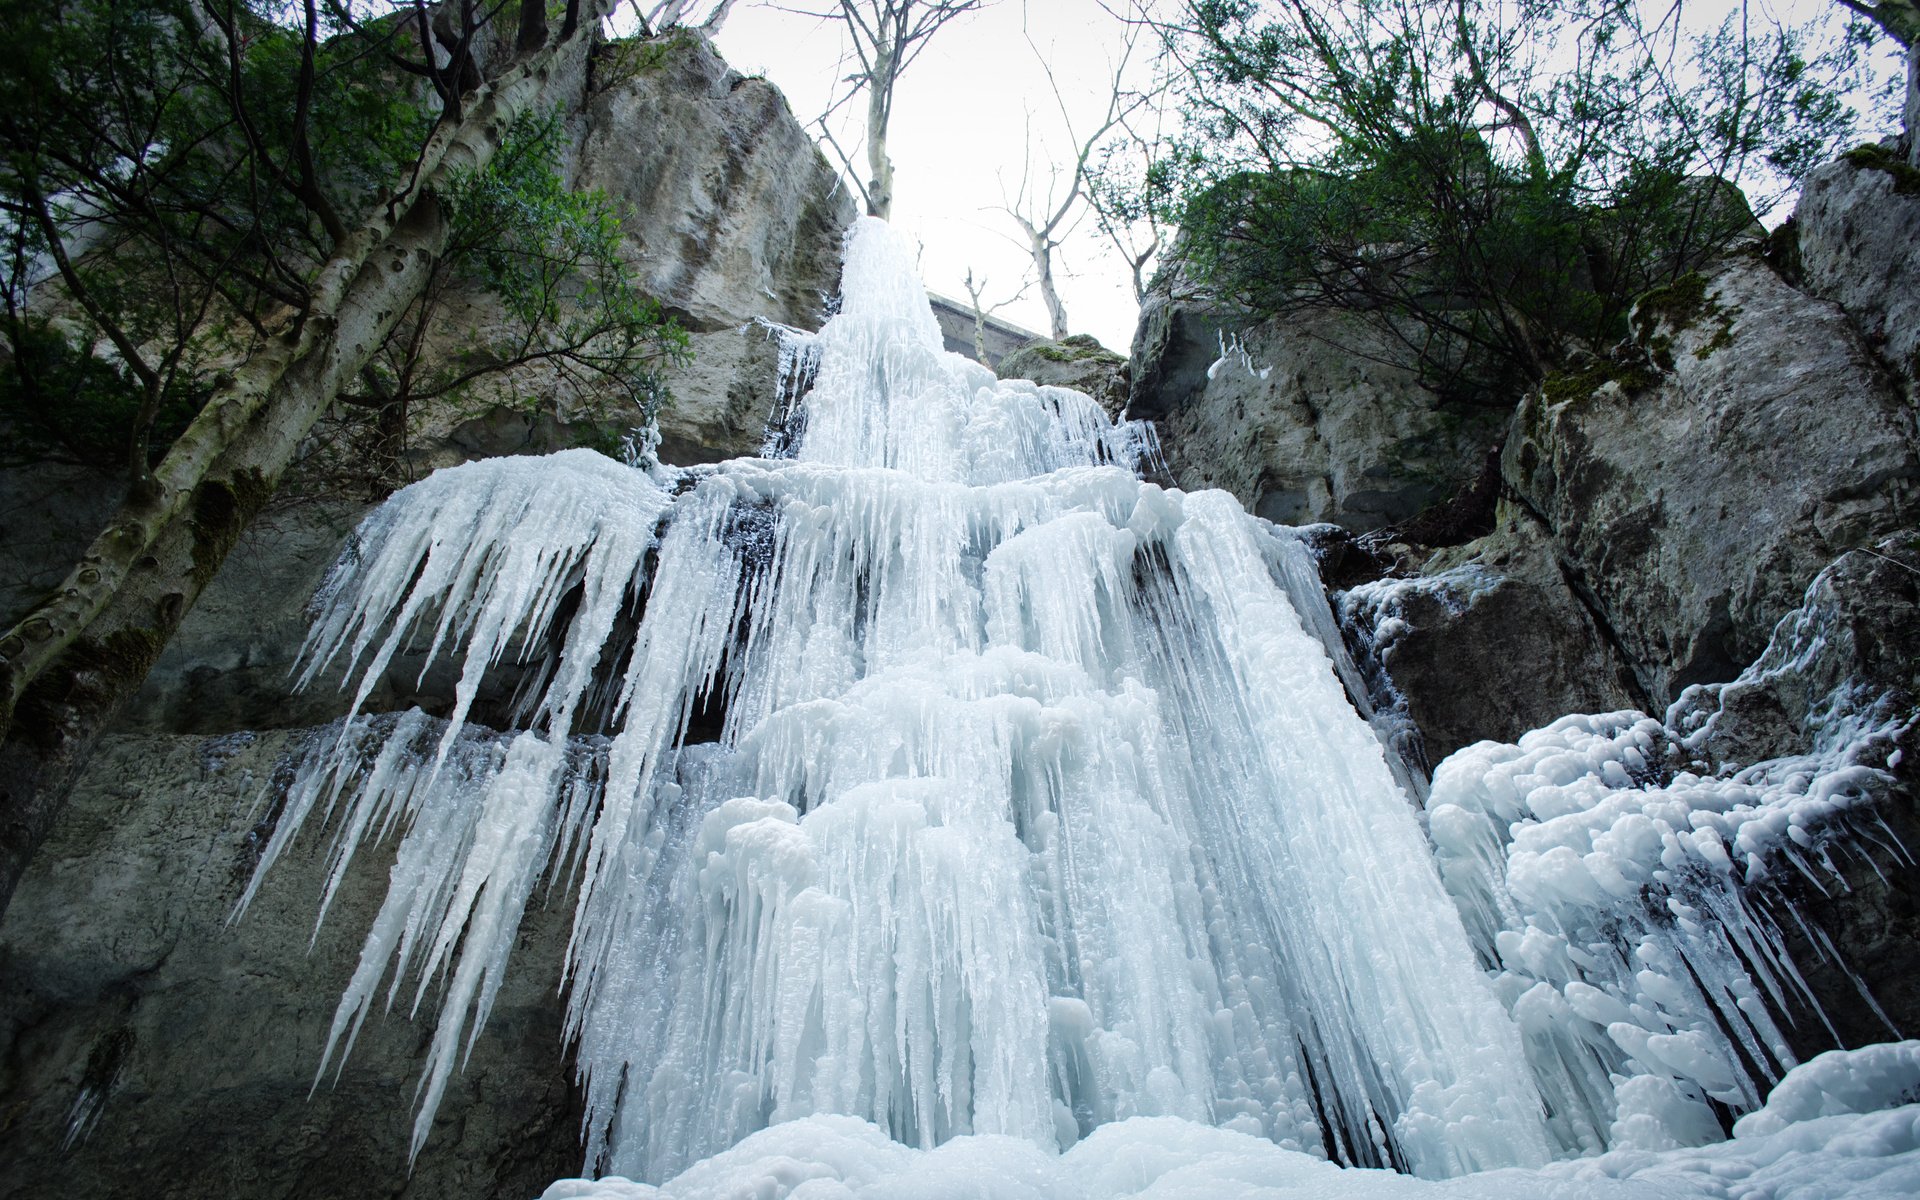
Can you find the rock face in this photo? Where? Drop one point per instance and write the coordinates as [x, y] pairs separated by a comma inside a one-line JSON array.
[[1305, 419], [1079, 362], [1858, 226], [1488, 642], [730, 218], [154, 1050], [737, 216], [148, 1048], [1847, 659], [1693, 505]]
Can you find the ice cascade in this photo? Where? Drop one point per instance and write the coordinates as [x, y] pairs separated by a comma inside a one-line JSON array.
[[943, 775]]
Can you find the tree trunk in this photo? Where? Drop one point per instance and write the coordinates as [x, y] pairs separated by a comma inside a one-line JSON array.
[[72, 662], [879, 166], [1043, 267], [1911, 110]]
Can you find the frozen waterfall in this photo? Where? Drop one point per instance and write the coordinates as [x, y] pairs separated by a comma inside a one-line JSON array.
[[944, 775]]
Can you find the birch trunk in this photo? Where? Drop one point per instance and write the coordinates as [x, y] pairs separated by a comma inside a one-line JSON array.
[[70, 664]]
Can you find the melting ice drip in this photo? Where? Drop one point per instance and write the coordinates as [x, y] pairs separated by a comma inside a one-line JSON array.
[[1019, 796]]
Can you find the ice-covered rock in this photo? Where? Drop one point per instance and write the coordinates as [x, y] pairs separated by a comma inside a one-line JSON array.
[[1852, 1154], [155, 1049], [1079, 362], [1032, 800], [1498, 611]]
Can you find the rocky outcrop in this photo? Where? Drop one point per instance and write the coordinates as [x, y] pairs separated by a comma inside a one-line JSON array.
[[737, 217], [731, 218], [1305, 418], [1079, 362], [1857, 228], [1488, 641], [1691, 499], [153, 1049]]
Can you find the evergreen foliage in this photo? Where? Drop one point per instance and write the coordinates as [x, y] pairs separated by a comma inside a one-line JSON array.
[[174, 176], [1491, 185]]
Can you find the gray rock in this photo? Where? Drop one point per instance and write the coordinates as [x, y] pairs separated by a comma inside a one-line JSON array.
[[155, 1050], [1304, 419], [1489, 641], [49, 513], [731, 218], [1692, 505], [736, 215], [1858, 223], [1079, 362], [230, 664], [123, 992]]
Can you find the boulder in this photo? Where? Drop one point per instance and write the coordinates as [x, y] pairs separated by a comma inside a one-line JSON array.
[[154, 1049], [1488, 641], [1079, 362], [1693, 489], [1305, 418]]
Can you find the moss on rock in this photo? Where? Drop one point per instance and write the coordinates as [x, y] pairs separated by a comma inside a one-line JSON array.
[[1875, 157]]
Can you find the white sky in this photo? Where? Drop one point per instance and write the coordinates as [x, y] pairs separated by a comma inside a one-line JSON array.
[[959, 126]]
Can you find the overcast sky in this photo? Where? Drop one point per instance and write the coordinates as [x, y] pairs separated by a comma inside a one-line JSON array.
[[959, 127]]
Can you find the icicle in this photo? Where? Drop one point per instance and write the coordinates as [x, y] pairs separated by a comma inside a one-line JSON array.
[[953, 778]]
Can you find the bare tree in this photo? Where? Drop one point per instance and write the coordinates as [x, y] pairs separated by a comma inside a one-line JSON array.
[[1117, 191], [886, 36], [1048, 211], [674, 14], [976, 295]]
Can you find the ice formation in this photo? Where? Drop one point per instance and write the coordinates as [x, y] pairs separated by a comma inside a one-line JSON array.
[[1843, 1127], [942, 802], [1608, 878]]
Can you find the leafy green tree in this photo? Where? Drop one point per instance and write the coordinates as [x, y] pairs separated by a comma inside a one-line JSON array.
[[545, 262], [219, 214], [1490, 184]]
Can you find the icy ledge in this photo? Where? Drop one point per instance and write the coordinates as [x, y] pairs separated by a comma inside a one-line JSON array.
[[1840, 1126]]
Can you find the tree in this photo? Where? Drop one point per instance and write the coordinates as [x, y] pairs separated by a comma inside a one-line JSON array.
[[886, 36], [977, 301], [1048, 210], [1899, 20], [1489, 185], [202, 162], [673, 14], [1128, 190]]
